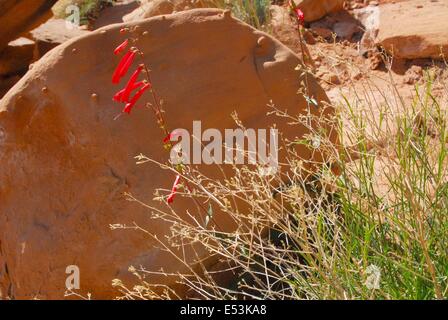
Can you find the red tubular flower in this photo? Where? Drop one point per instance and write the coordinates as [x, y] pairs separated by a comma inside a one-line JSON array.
[[121, 47], [128, 89], [137, 85], [174, 189], [127, 64], [131, 104], [173, 134], [119, 95], [123, 66], [300, 16], [117, 73]]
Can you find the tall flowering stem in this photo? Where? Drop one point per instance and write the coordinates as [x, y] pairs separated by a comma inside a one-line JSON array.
[[300, 20], [156, 107], [124, 96], [307, 60]]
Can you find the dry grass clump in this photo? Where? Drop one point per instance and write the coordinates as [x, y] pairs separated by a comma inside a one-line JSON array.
[[377, 230], [253, 12]]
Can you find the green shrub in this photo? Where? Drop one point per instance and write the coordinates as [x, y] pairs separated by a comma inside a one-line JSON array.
[[89, 9]]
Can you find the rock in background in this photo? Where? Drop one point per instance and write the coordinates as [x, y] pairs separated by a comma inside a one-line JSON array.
[[317, 9], [410, 29], [53, 33], [14, 62], [414, 29], [18, 17]]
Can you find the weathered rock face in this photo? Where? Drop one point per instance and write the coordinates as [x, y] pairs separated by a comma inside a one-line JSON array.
[[316, 9], [422, 31], [19, 16], [66, 163]]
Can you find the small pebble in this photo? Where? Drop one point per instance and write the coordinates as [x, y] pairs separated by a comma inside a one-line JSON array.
[[261, 41]]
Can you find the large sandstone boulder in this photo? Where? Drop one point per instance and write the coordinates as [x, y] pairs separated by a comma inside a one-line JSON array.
[[414, 29], [317, 9], [19, 16], [66, 163]]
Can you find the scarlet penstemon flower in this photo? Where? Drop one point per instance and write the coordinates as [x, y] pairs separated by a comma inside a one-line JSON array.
[[170, 198], [121, 47], [128, 108], [300, 16], [118, 73], [119, 96], [129, 86], [128, 63], [121, 70], [173, 134]]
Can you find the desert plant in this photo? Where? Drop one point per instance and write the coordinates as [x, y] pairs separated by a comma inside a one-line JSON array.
[[88, 9], [253, 12]]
